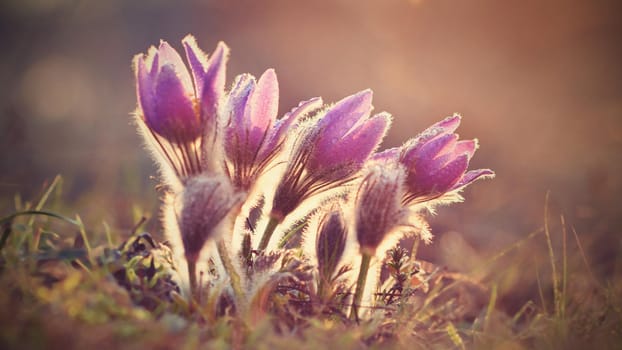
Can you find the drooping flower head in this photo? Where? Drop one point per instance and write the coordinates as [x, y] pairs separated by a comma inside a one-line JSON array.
[[437, 162], [206, 200], [177, 113], [378, 207], [330, 151], [253, 135]]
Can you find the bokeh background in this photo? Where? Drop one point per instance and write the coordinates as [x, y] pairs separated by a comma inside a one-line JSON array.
[[539, 82]]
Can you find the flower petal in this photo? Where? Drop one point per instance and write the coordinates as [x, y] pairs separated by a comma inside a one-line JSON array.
[[345, 114], [473, 175], [265, 100], [426, 157], [424, 184], [197, 60], [238, 103], [213, 84], [447, 176], [466, 147], [144, 87], [174, 116], [355, 148], [390, 154], [282, 126], [444, 127], [168, 57]]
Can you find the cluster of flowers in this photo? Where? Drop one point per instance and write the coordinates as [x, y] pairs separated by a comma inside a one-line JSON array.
[[226, 160]]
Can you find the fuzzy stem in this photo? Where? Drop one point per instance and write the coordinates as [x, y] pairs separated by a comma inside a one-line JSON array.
[[415, 248], [360, 286], [265, 239], [321, 288], [192, 275], [236, 283]]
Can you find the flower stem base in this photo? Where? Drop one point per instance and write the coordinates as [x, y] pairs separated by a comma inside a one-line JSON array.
[[265, 239], [360, 286]]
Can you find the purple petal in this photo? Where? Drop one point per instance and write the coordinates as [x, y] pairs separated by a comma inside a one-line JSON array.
[[238, 101], [433, 153], [214, 81], [360, 143], [282, 126], [450, 173], [454, 150], [466, 147], [439, 181], [449, 124], [265, 101], [354, 149], [237, 106], [444, 127], [144, 87], [387, 155], [343, 116], [304, 107], [196, 58], [174, 116], [153, 60], [168, 57], [422, 154], [473, 175]]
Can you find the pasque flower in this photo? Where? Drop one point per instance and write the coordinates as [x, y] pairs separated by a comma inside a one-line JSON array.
[[378, 204], [178, 113], [328, 152], [378, 211], [253, 135], [213, 148], [205, 202], [436, 161], [330, 242]]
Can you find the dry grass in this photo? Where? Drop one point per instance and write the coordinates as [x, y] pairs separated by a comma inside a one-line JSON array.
[[66, 284]]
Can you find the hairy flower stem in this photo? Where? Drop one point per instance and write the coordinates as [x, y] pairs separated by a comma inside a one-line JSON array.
[[236, 283], [192, 274], [360, 286], [265, 239], [323, 288], [415, 247]]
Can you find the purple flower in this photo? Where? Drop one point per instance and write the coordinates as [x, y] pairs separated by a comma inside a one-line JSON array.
[[166, 94], [178, 114], [347, 135], [436, 161], [253, 135], [330, 151]]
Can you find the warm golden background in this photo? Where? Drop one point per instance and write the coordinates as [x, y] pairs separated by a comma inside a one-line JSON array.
[[539, 82]]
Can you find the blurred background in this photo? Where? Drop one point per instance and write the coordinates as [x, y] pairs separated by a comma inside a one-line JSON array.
[[539, 82]]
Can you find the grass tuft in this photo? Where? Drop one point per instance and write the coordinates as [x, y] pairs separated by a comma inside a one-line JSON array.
[[62, 286]]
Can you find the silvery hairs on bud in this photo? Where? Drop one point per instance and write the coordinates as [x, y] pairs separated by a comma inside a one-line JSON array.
[[330, 242], [206, 202], [378, 204]]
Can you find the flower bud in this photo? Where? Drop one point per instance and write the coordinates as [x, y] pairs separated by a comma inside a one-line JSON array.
[[330, 243], [205, 203], [378, 204]]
